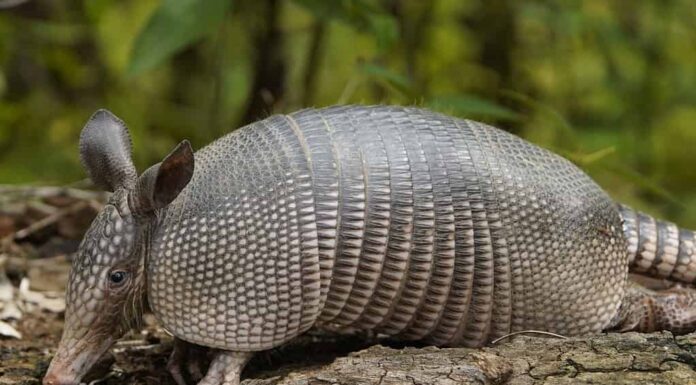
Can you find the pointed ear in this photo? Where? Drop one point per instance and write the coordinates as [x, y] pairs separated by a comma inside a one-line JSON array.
[[161, 184], [105, 151]]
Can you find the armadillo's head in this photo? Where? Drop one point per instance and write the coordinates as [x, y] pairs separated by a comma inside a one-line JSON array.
[[107, 280]]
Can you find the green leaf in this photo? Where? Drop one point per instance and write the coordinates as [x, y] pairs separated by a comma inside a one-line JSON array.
[[390, 78], [385, 30], [643, 181], [173, 26], [545, 109], [321, 9], [587, 159], [362, 15], [470, 105]]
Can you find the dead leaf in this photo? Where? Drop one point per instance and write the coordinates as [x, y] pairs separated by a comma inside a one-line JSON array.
[[10, 311], [6, 289], [6, 330], [53, 302], [48, 274]]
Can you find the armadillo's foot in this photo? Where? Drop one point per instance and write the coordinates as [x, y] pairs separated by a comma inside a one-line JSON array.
[[194, 369], [188, 353], [226, 368], [647, 311]]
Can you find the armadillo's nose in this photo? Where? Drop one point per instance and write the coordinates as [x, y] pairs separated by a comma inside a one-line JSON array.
[[55, 379]]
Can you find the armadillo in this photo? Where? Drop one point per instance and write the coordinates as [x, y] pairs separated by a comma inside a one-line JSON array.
[[396, 220]]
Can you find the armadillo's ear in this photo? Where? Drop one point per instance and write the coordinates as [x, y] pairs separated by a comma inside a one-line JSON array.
[[105, 151], [161, 184]]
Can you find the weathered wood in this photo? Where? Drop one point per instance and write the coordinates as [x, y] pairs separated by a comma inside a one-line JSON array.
[[609, 359]]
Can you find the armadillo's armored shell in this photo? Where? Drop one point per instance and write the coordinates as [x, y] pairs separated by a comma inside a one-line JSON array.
[[394, 219]]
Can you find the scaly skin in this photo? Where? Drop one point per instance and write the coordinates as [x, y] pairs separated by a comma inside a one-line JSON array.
[[398, 220], [400, 200], [646, 311]]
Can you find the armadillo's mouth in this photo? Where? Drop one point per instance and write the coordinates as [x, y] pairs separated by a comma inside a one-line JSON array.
[[69, 365]]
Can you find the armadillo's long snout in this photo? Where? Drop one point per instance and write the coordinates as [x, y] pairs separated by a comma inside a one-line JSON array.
[[61, 374], [73, 361], [55, 379]]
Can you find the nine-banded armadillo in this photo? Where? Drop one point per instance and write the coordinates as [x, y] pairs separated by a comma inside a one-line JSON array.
[[397, 220]]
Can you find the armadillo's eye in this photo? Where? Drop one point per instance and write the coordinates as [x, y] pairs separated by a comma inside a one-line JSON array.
[[118, 277]]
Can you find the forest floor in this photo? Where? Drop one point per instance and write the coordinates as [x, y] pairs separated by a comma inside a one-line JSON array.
[[41, 227]]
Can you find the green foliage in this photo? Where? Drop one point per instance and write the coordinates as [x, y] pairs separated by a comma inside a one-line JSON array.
[[384, 76], [363, 15], [474, 107], [174, 25], [609, 85]]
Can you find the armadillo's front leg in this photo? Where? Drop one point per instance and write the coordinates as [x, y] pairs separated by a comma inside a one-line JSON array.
[[175, 359], [644, 310], [185, 352], [226, 368]]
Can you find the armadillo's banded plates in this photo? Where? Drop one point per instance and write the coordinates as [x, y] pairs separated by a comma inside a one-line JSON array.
[[315, 138], [399, 229], [433, 301], [377, 208], [501, 231], [459, 168], [422, 233], [476, 325], [458, 233], [307, 300], [352, 205]]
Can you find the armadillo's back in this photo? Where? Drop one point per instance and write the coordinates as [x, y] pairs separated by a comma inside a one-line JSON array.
[[394, 219]]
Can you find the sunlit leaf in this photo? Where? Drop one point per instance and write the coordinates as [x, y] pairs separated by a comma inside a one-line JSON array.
[[597, 155], [472, 106], [174, 25]]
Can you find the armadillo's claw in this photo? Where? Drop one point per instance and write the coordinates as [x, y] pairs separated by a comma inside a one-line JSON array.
[[226, 368], [194, 369]]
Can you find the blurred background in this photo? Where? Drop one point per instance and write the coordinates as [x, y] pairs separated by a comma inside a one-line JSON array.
[[609, 84]]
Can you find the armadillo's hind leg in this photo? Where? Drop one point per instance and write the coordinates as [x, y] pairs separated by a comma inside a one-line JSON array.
[[226, 368], [643, 310]]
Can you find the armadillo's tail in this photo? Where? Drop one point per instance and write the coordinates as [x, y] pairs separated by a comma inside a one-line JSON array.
[[659, 248]]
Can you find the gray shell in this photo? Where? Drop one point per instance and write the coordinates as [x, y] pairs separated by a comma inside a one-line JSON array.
[[398, 220]]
